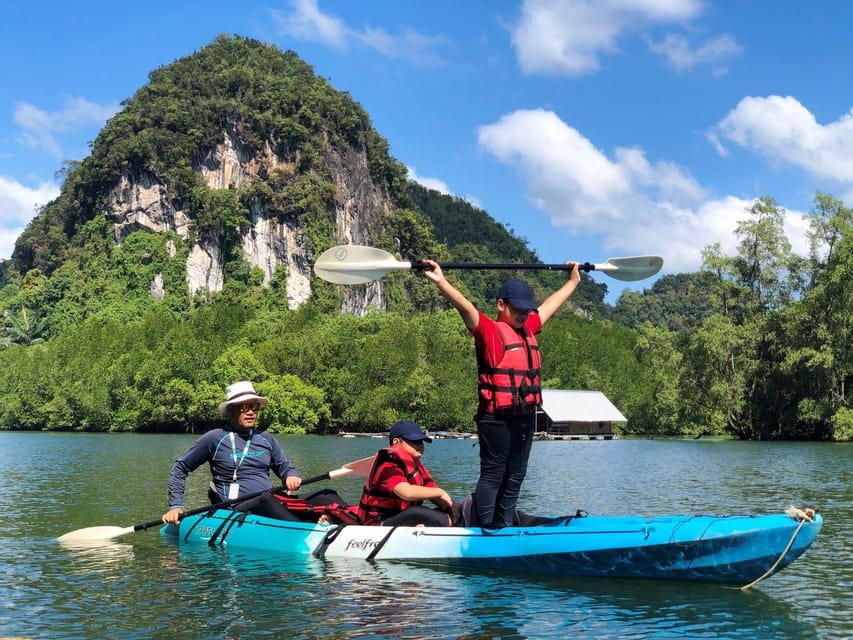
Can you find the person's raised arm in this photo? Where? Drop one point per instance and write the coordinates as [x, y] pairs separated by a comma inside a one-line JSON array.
[[553, 302], [470, 314]]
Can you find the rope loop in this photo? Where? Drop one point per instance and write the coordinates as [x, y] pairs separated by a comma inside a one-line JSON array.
[[802, 516], [807, 514]]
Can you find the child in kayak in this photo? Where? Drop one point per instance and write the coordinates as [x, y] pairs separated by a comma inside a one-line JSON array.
[[399, 482]]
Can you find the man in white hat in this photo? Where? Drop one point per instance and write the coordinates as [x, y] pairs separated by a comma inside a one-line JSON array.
[[240, 460]]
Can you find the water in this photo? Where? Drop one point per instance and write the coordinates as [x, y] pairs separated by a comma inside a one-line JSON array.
[[142, 586]]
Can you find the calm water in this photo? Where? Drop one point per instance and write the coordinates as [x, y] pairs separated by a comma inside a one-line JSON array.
[[145, 587]]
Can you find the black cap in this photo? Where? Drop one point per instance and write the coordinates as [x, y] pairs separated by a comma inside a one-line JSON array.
[[517, 293], [407, 430]]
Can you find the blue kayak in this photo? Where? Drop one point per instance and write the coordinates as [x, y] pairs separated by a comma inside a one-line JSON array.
[[738, 549]]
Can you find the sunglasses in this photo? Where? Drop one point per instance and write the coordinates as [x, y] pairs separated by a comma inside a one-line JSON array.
[[249, 406]]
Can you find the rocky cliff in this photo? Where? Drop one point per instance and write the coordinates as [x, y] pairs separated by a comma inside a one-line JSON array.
[[143, 199]]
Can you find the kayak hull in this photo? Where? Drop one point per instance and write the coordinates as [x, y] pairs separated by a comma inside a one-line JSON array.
[[727, 549]]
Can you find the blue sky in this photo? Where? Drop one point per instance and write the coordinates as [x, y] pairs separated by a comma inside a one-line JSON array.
[[593, 129]]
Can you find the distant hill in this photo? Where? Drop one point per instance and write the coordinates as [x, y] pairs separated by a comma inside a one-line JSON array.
[[233, 167], [674, 301]]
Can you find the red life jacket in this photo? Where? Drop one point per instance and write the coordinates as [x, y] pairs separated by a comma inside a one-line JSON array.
[[513, 385], [377, 503], [304, 510]]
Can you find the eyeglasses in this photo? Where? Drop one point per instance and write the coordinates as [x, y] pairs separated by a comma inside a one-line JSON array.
[[249, 406]]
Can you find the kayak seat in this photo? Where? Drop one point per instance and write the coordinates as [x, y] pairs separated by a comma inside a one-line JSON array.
[[520, 519]]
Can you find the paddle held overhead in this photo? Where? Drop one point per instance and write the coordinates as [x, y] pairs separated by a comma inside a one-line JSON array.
[[357, 264], [358, 468]]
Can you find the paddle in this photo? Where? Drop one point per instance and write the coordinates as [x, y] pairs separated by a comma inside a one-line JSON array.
[[357, 264], [91, 534]]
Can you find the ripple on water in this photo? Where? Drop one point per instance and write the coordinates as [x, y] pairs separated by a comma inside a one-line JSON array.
[[145, 587]]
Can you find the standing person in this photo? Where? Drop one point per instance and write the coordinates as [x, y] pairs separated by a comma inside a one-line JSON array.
[[398, 484], [509, 391], [240, 459]]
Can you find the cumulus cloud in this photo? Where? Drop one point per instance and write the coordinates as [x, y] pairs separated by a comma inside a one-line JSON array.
[[39, 129], [308, 23], [783, 131], [18, 205], [638, 206], [568, 37]]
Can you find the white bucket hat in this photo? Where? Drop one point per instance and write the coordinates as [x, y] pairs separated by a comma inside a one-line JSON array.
[[240, 392]]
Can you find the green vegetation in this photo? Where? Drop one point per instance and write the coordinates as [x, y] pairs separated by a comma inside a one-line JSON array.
[[774, 361], [323, 372], [100, 332]]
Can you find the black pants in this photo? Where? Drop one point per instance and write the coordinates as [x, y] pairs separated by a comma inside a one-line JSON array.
[[418, 514], [266, 505], [505, 443]]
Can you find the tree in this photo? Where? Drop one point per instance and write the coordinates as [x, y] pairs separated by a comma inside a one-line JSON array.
[[764, 256], [24, 327], [720, 377], [661, 410]]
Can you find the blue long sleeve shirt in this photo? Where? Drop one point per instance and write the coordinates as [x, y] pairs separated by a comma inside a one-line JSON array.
[[253, 471]]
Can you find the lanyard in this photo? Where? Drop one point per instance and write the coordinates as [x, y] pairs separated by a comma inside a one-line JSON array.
[[237, 463]]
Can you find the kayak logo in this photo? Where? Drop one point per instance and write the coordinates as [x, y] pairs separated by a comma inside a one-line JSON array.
[[361, 545]]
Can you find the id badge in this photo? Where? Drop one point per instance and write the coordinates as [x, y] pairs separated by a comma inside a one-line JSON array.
[[233, 490]]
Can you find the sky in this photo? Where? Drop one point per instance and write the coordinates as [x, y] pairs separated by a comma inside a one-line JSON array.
[[590, 128]]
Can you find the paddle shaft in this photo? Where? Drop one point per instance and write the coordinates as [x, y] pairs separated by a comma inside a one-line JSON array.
[[586, 266], [226, 503]]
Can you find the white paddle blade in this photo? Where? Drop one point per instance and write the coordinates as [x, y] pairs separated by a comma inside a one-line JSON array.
[[360, 468], [356, 264], [93, 534], [631, 269]]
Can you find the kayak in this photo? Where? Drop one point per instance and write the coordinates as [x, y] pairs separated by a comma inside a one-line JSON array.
[[736, 549]]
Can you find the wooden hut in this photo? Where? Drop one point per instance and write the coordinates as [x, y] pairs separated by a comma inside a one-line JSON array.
[[576, 415]]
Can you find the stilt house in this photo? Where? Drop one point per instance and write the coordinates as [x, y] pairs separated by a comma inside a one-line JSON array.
[[576, 415]]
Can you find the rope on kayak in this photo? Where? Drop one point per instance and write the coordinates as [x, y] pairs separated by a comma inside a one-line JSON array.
[[803, 515]]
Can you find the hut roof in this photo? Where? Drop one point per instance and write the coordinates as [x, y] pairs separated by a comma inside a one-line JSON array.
[[579, 406]]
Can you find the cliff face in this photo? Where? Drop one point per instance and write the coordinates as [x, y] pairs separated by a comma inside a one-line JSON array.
[[143, 202], [242, 153]]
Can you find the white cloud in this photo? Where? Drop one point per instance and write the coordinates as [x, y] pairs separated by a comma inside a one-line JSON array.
[[785, 132], [567, 37], [18, 205], [39, 128], [637, 206], [308, 23], [435, 184], [681, 56]]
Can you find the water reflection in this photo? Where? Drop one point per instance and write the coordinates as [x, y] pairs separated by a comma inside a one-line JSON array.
[[98, 556], [488, 605], [146, 587], [341, 598]]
